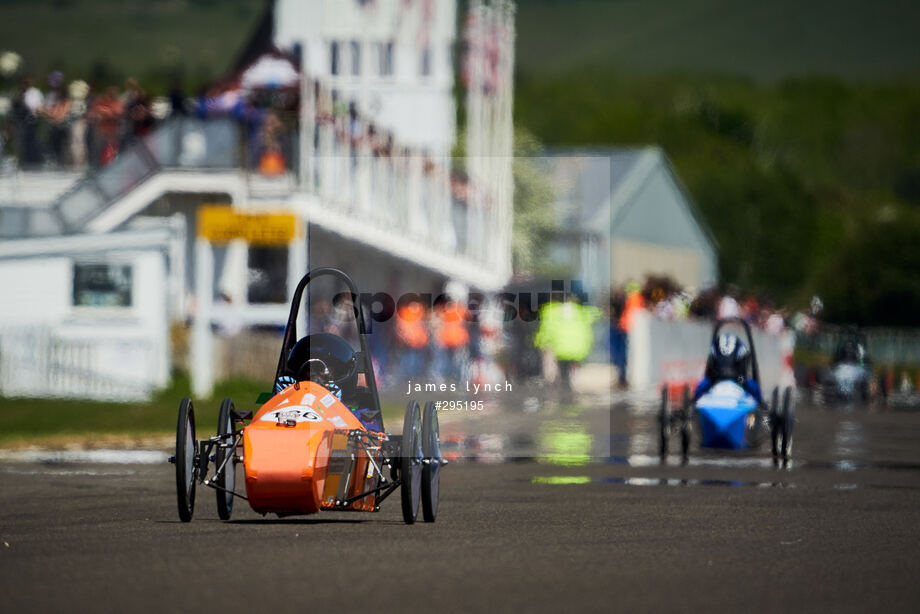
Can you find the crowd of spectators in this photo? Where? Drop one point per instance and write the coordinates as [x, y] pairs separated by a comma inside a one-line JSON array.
[[664, 298], [71, 125], [56, 125]]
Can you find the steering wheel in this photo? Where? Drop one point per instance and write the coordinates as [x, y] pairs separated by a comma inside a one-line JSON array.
[[305, 369]]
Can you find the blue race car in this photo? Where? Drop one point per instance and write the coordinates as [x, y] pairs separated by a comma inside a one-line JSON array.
[[727, 406]]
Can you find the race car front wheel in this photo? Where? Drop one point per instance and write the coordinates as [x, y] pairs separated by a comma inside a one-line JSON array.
[[664, 423], [186, 460], [226, 477], [410, 462], [788, 422], [775, 426]]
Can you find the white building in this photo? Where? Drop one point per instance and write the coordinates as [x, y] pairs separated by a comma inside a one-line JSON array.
[[87, 315], [627, 215], [394, 58]]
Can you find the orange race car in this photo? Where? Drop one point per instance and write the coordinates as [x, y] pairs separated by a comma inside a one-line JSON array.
[[318, 442]]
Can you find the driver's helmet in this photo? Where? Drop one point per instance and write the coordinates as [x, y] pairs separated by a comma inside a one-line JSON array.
[[728, 357], [336, 353], [851, 351]]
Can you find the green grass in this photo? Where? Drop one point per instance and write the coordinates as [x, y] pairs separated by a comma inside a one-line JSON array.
[[59, 420]]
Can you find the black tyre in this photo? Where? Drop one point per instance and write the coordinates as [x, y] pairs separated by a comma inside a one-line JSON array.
[[226, 478], [664, 423], [686, 426], [186, 460], [787, 422], [431, 470], [410, 462], [775, 423]]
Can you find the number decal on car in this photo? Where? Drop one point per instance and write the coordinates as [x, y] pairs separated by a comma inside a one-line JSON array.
[[295, 413]]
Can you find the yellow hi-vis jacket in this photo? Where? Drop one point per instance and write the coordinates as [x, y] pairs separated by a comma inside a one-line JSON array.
[[565, 330]]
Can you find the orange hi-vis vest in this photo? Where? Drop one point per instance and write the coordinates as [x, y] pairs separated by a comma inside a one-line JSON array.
[[452, 332], [634, 302], [410, 325]]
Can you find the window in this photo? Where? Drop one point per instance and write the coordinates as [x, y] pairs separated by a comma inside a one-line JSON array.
[[385, 59], [425, 62], [334, 57], [102, 285], [355, 58], [267, 275]]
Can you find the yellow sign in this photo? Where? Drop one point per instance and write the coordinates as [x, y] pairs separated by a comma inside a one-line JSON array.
[[222, 224]]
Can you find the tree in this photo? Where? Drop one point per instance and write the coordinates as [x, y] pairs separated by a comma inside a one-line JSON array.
[[874, 280]]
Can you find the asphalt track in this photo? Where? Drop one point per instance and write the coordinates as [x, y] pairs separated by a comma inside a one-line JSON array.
[[839, 531]]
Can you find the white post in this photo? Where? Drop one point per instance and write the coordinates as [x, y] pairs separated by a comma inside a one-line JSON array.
[[298, 256], [202, 367], [307, 125], [233, 280], [176, 272], [326, 144]]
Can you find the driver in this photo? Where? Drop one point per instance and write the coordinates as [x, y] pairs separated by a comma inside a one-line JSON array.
[[326, 359], [330, 361], [729, 359]]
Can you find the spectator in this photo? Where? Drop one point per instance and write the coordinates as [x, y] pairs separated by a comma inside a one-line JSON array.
[[525, 357], [566, 333], [618, 336], [342, 318], [105, 115], [452, 335], [271, 162], [412, 337], [139, 115], [728, 306], [633, 303], [177, 99], [57, 111], [320, 317], [77, 91], [706, 304], [26, 108]]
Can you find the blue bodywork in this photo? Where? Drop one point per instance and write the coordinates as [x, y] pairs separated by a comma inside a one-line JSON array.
[[723, 412]]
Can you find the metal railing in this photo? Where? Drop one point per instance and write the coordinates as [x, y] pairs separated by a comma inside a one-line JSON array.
[[36, 362]]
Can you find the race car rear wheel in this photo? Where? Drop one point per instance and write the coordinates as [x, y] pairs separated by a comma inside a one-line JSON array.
[[431, 469], [410, 462], [788, 422], [664, 423], [186, 460], [225, 479]]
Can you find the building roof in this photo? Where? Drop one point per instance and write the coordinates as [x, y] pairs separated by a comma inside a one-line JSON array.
[[584, 174]]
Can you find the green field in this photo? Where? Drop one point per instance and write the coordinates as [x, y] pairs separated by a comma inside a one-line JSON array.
[[105, 41], [851, 39]]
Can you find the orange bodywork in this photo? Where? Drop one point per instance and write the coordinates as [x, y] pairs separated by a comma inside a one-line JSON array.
[[294, 452]]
